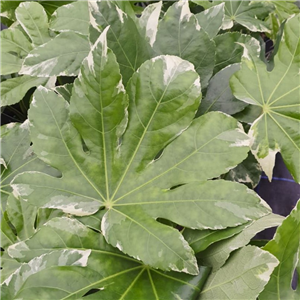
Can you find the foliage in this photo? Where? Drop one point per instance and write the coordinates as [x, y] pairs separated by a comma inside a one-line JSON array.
[[125, 181]]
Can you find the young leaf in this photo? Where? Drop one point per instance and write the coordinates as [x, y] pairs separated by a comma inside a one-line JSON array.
[[243, 277], [277, 94], [180, 34], [113, 274], [121, 174], [70, 50], [217, 254], [285, 246], [33, 19], [211, 19]]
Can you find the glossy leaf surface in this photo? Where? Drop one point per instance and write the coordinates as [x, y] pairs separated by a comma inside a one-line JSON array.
[[285, 246], [248, 269], [101, 268], [124, 176], [180, 34], [277, 94]]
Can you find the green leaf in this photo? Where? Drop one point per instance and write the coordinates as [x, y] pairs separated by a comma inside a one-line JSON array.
[[219, 96], [70, 50], [243, 277], [285, 246], [211, 19], [8, 236], [72, 17], [217, 254], [276, 93], [8, 266], [180, 34], [229, 49], [113, 274], [14, 89], [121, 172], [9, 64], [199, 240], [18, 155], [33, 19], [13, 40], [123, 37]]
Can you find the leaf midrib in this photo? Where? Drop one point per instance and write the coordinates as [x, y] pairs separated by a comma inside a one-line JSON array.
[[143, 135]]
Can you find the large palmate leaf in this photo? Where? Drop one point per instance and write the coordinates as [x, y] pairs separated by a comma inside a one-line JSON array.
[[18, 156], [122, 173], [277, 94], [286, 248], [107, 271], [180, 34], [217, 254], [246, 13], [123, 37], [243, 277]]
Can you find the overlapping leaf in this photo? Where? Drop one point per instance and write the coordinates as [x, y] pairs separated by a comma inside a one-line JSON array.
[[121, 172], [211, 20], [123, 37], [180, 34], [100, 268], [249, 14], [219, 96], [8, 8], [18, 156], [277, 94], [72, 17], [286, 248], [15, 46], [217, 254], [243, 277]]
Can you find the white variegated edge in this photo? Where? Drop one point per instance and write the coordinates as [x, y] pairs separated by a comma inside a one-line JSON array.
[[149, 21]]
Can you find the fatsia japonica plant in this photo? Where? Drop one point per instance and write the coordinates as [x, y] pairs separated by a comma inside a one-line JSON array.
[[142, 130]]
